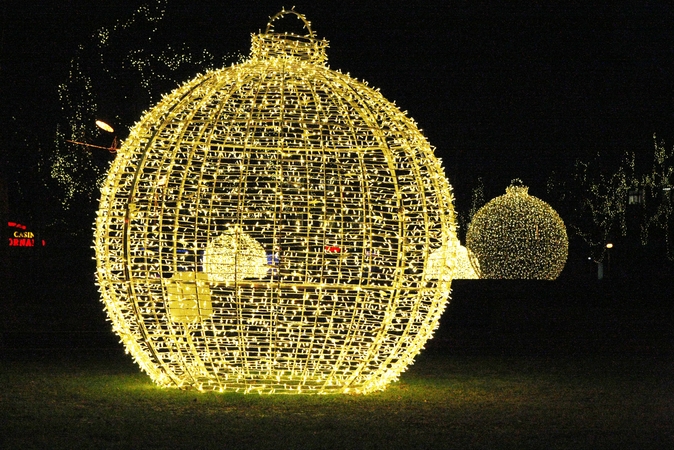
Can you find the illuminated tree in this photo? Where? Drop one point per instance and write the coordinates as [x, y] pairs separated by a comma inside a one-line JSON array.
[[110, 77], [477, 202], [599, 198], [516, 236], [657, 187], [604, 199], [281, 158]]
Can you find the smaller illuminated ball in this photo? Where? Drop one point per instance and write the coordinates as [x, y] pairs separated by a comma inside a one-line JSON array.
[[518, 236]]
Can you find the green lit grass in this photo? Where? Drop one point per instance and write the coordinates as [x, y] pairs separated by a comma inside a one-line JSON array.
[[84, 399]]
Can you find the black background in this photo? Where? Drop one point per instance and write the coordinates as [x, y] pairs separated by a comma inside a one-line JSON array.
[[502, 91]]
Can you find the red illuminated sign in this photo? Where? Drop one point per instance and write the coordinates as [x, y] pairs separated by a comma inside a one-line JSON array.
[[23, 242], [21, 237]]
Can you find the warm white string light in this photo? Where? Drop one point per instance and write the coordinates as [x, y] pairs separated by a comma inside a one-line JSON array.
[[604, 199], [464, 266], [518, 235], [269, 227], [110, 57], [657, 186]]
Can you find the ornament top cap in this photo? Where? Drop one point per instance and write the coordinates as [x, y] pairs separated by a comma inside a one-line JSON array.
[[517, 188], [271, 44]]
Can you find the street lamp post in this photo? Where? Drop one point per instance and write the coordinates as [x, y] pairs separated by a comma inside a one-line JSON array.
[[105, 127], [609, 246]]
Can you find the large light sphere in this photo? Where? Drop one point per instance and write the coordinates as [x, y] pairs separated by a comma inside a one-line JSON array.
[[269, 227], [518, 236]]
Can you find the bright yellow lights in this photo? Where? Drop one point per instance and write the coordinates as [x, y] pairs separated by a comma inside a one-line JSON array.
[[518, 235], [188, 296], [234, 256], [104, 126], [275, 226], [463, 267]]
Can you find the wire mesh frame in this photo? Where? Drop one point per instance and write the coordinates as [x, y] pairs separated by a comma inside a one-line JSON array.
[[268, 228]]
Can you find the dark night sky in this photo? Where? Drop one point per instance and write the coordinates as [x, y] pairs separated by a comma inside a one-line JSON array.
[[501, 91]]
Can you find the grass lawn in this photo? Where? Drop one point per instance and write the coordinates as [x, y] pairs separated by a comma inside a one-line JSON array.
[[98, 399]]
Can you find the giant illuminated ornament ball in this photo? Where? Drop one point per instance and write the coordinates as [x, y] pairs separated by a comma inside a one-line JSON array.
[[269, 227], [517, 236]]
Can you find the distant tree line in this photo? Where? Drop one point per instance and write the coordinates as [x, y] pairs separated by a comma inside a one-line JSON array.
[[603, 203]]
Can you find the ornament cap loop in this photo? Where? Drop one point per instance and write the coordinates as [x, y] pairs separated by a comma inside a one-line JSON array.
[[517, 187], [284, 12], [272, 44]]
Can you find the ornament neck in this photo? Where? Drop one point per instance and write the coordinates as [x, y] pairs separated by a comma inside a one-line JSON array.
[[517, 190]]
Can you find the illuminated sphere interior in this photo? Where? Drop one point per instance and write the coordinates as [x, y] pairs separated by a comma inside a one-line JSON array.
[[268, 227], [518, 236]]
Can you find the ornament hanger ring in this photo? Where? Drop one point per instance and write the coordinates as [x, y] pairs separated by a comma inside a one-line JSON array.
[[284, 12]]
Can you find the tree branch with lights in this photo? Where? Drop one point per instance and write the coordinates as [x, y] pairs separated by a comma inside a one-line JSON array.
[[598, 201]]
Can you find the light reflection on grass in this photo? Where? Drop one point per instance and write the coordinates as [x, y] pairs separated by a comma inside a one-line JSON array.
[[103, 401]]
